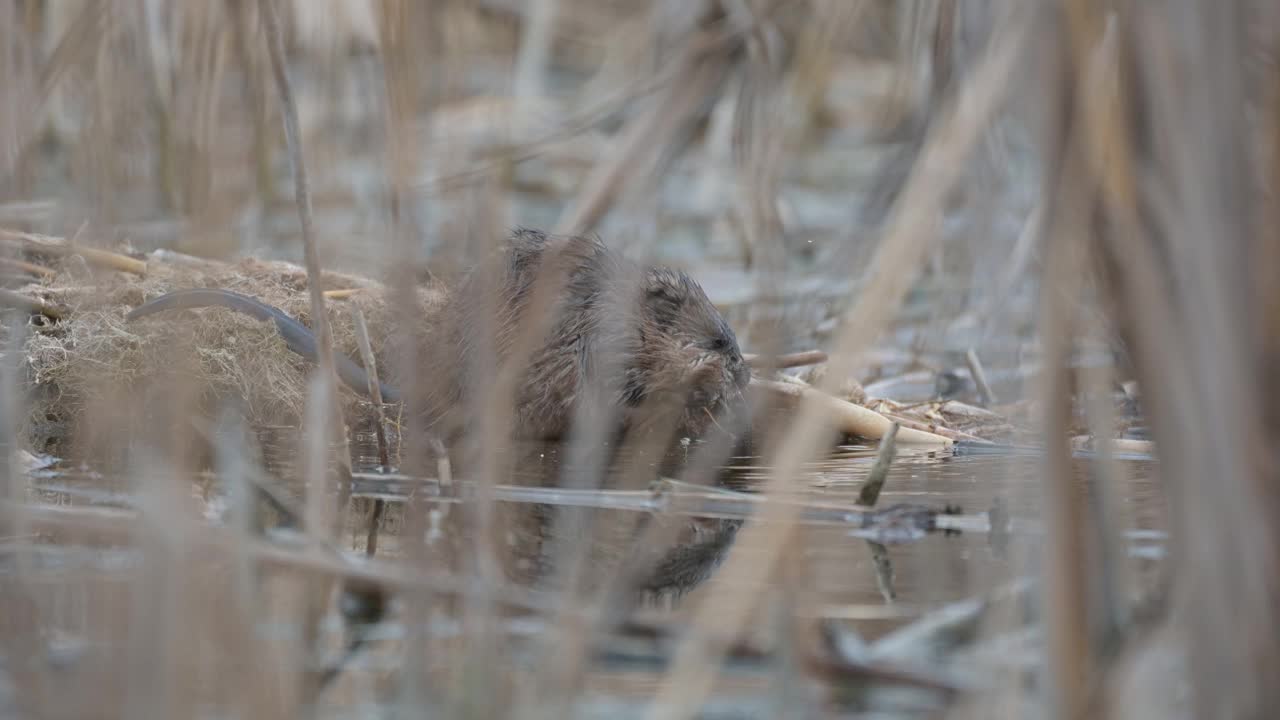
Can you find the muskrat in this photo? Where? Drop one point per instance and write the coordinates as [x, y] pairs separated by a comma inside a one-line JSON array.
[[642, 343], [643, 346]]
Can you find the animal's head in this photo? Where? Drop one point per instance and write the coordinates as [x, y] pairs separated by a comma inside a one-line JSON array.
[[688, 357]]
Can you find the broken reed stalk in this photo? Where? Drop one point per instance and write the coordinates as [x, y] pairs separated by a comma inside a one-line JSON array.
[[59, 247], [985, 394], [725, 608], [870, 492]]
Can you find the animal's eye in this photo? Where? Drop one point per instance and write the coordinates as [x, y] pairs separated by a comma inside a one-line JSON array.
[[720, 343]]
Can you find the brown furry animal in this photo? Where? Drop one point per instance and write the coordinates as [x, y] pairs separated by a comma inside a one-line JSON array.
[[643, 346]]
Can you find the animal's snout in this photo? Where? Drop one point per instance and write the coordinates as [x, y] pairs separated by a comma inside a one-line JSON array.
[[740, 372]]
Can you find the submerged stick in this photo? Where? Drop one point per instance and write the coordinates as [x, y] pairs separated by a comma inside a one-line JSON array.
[[870, 492]]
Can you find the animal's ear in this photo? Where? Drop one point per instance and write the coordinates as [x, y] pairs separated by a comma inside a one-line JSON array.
[[663, 285], [663, 294]]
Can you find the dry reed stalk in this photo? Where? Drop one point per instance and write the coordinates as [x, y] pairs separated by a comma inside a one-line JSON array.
[[1226, 545], [157, 626], [80, 41], [341, 294], [933, 428], [403, 27], [18, 301], [1106, 506], [31, 268], [325, 410], [1089, 164], [101, 525], [249, 54], [320, 522], [661, 125], [536, 32], [12, 481], [380, 417], [1066, 579], [979, 377], [758, 132], [60, 247], [816, 50], [601, 610], [848, 418], [566, 671], [789, 360], [234, 611], [302, 196], [725, 608]]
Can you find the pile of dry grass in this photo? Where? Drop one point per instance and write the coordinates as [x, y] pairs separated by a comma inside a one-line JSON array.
[[93, 358]]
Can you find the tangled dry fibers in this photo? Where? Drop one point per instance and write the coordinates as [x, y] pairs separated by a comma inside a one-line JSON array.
[[93, 359]]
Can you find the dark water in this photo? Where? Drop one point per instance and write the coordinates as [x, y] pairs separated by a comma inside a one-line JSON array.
[[869, 587], [852, 575]]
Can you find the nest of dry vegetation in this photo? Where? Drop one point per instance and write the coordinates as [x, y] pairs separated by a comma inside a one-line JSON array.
[[92, 364]]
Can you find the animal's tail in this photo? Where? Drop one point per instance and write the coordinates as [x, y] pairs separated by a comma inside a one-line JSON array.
[[297, 336]]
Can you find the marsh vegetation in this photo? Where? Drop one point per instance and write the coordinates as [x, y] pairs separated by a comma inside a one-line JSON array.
[[1003, 274]]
